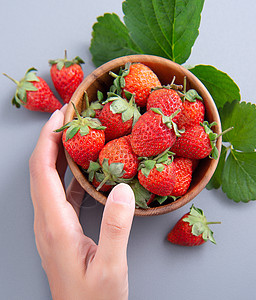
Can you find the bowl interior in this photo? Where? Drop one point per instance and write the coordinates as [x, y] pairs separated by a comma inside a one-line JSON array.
[[165, 70]]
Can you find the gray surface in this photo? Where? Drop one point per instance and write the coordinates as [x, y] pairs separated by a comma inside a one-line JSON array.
[[32, 32]]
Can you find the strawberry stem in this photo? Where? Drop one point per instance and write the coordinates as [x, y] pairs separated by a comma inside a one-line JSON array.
[[103, 182], [76, 111], [15, 81], [224, 132], [87, 103], [213, 223], [65, 54]]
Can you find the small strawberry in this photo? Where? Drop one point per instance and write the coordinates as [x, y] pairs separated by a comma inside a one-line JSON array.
[[153, 133], [119, 116], [197, 142], [167, 99], [183, 176], [157, 175], [120, 151], [83, 138], [137, 79], [193, 110], [192, 229], [34, 93], [66, 76]]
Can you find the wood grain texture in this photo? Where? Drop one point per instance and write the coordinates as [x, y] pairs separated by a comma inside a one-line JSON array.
[[165, 70]]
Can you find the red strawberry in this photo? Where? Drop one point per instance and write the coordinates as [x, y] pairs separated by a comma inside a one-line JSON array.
[[192, 113], [66, 76], [192, 229], [137, 79], [197, 142], [120, 151], [167, 99], [83, 138], [119, 116], [153, 133], [34, 93], [158, 175], [183, 176]]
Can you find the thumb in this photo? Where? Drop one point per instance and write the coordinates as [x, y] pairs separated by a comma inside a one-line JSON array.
[[116, 224]]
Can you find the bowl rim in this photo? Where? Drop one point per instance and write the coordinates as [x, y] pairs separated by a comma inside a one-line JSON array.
[[143, 58]]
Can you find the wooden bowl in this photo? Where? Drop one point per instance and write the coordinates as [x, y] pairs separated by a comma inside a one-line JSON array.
[[165, 70]]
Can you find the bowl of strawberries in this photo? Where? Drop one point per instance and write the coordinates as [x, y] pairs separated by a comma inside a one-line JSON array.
[[145, 121]]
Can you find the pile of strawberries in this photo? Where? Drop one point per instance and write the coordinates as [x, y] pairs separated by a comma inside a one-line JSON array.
[[144, 134]]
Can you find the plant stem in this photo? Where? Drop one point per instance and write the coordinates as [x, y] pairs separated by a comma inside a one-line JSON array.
[[225, 131], [213, 223], [15, 81], [103, 182]]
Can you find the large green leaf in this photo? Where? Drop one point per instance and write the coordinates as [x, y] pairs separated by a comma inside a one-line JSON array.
[[239, 176], [242, 116], [221, 87], [166, 28], [110, 39]]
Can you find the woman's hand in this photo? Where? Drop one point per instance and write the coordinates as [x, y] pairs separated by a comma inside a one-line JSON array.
[[76, 267]]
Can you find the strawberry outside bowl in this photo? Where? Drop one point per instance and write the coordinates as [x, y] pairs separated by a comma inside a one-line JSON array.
[[165, 69]]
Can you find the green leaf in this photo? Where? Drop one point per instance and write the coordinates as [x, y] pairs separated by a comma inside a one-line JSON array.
[[165, 28], [239, 176], [242, 116], [215, 181], [71, 132], [221, 87], [110, 39]]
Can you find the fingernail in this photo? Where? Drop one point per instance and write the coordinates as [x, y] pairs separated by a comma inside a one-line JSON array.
[[123, 194], [54, 114]]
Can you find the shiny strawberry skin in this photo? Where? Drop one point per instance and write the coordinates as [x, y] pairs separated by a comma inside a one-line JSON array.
[[192, 113], [159, 183], [120, 151], [115, 126], [140, 80], [85, 148], [183, 176], [43, 99], [66, 80], [167, 99], [194, 143], [150, 136], [181, 234]]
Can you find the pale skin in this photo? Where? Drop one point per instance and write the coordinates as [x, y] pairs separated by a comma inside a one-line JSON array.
[[76, 267]]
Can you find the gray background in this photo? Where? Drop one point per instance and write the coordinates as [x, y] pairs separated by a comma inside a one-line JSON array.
[[31, 32]]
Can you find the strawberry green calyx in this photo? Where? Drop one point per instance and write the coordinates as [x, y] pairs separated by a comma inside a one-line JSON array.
[[197, 220], [119, 105], [94, 105], [24, 85], [119, 81], [159, 162], [190, 95], [110, 174], [95, 170], [81, 124], [141, 194], [168, 120], [213, 137], [64, 62]]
